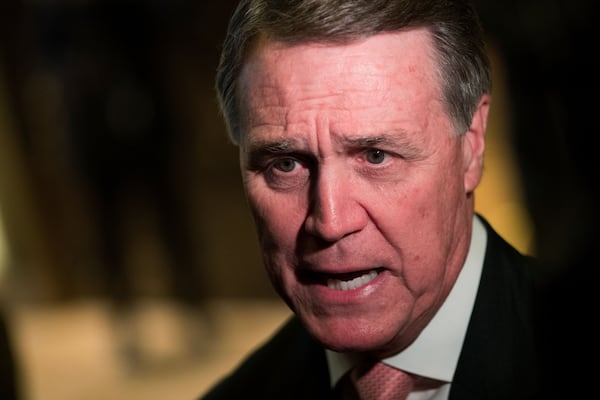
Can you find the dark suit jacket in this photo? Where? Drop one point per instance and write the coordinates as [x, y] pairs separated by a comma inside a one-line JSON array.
[[497, 359]]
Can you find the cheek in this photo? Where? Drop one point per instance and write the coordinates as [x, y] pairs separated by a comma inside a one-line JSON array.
[[417, 224], [278, 219]]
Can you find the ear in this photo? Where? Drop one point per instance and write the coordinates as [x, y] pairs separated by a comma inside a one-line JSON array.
[[474, 145]]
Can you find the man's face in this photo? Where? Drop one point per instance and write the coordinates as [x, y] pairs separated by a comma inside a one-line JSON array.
[[361, 193]]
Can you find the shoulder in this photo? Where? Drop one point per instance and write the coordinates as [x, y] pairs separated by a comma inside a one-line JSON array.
[[498, 353], [288, 365], [508, 280]]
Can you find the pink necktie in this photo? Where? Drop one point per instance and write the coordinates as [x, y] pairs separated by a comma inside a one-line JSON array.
[[379, 381]]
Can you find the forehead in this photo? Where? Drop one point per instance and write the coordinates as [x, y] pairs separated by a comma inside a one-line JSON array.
[[397, 56], [375, 83]]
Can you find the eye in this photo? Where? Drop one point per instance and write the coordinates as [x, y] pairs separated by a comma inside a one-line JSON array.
[[286, 173], [375, 156], [286, 165]]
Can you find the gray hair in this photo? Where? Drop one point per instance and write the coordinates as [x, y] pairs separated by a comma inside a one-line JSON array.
[[464, 68]]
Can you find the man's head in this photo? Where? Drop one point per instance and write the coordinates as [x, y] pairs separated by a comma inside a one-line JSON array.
[[361, 134], [462, 62]]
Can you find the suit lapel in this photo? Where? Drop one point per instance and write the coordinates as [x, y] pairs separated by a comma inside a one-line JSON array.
[[497, 357]]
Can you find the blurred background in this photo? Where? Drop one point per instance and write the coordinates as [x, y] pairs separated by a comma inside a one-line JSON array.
[[128, 262]]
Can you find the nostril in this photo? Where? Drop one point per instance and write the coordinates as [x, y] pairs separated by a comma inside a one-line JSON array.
[[334, 228], [324, 232]]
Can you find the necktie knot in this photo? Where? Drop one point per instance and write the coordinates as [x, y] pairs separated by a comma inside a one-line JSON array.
[[379, 381]]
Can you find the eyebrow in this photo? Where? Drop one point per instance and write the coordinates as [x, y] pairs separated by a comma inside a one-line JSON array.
[[288, 144], [394, 140], [366, 141], [272, 146], [283, 146]]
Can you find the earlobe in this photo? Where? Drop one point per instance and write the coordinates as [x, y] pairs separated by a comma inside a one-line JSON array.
[[474, 145]]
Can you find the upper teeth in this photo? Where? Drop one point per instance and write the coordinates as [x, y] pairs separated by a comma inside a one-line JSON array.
[[337, 284]]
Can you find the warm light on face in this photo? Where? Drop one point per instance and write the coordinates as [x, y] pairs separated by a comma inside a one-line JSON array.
[[357, 185]]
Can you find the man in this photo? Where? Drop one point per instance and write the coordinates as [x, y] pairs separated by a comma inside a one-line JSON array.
[[361, 130]]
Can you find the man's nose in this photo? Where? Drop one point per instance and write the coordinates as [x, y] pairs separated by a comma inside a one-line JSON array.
[[335, 209]]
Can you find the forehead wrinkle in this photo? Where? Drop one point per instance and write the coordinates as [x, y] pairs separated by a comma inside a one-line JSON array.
[[271, 110]]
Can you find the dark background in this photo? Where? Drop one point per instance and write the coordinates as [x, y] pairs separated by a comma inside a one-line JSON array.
[[117, 178], [114, 155]]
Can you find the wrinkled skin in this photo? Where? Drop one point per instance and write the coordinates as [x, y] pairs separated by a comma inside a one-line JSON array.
[[352, 170]]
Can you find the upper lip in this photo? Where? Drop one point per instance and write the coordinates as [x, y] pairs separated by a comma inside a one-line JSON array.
[[338, 261], [329, 266], [310, 271]]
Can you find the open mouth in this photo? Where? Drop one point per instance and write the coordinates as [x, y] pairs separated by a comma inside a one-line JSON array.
[[351, 281]]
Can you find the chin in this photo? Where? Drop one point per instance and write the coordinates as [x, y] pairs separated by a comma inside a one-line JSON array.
[[345, 337]]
